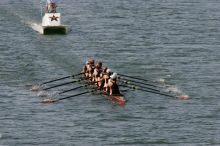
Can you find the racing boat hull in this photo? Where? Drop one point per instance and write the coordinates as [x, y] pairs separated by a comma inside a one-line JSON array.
[[119, 99]]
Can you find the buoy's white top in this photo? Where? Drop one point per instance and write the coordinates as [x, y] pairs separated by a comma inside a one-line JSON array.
[[51, 19]]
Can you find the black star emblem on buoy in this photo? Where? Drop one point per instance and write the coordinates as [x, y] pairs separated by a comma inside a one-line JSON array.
[[54, 18]]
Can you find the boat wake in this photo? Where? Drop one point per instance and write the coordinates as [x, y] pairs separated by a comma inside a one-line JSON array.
[[36, 27]]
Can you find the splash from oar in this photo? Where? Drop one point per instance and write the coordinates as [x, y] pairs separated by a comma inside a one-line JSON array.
[[35, 88], [173, 89], [42, 94], [178, 92]]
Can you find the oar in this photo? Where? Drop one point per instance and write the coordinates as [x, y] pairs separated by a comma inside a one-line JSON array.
[[129, 80], [62, 84], [56, 100], [140, 86], [60, 79], [72, 89], [182, 97], [135, 78], [141, 79], [156, 92]]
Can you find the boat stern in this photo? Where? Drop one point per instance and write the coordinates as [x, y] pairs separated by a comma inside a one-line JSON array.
[[51, 24], [48, 30]]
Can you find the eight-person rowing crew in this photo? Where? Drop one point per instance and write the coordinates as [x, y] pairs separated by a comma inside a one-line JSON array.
[[104, 79]]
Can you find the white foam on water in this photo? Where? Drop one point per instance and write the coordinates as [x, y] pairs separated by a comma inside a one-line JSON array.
[[36, 27], [161, 80], [174, 90], [35, 88], [42, 94]]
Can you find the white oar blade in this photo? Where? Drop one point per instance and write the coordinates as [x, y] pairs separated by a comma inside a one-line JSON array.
[[48, 101]]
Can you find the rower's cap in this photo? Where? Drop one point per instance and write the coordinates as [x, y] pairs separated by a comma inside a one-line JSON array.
[[114, 75]]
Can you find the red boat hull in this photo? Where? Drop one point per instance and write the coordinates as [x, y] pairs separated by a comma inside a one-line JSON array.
[[119, 99]]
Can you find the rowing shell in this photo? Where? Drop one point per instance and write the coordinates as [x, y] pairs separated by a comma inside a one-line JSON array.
[[118, 99]]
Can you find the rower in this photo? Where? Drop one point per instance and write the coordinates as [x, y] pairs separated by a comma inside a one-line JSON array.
[[106, 76], [51, 6], [103, 79], [112, 83], [97, 74], [85, 70], [88, 68]]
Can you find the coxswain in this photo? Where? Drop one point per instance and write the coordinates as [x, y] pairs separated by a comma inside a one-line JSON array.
[[51, 6], [113, 87]]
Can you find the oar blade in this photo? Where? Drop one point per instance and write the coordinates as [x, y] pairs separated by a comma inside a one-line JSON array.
[[49, 100], [184, 97]]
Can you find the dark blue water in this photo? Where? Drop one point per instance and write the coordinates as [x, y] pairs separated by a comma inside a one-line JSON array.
[[176, 41]]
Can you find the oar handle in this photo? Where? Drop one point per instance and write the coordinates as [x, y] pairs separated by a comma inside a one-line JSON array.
[[77, 74]]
